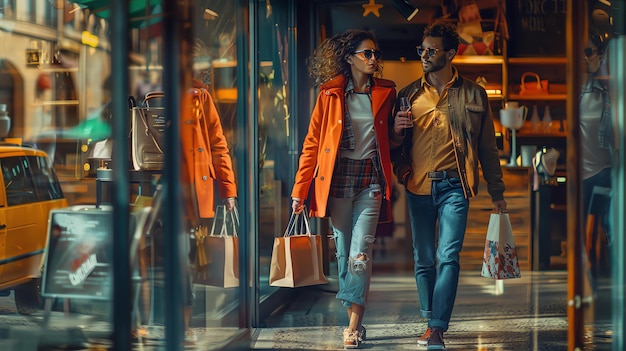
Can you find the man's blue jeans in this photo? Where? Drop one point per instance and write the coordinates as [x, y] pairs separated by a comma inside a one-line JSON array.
[[354, 223], [436, 254]]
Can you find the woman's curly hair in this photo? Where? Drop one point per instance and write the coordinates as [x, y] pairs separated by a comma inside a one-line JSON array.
[[329, 59]]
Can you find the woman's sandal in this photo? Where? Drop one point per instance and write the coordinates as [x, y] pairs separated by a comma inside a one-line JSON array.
[[350, 339]]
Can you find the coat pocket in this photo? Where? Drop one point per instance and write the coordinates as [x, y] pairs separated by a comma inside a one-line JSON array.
[[474, 113]]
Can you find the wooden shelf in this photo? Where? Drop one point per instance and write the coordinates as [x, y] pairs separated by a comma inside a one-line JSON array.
[[477, 60], [537, 60], [548, 97]]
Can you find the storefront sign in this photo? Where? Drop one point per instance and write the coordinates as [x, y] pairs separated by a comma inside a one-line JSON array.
[[78, 260], [537, 27], [33, 57]]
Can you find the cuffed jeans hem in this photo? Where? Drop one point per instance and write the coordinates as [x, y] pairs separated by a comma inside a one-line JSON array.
[[347, 301], [438, 323], [426, 314]]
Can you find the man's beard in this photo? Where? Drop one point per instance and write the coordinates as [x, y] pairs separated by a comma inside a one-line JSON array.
[[435, 65]]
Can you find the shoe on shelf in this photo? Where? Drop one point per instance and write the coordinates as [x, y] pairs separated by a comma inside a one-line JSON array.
[[190, 336], [350, 339], [436, 339], [362, 334], [423, 339]]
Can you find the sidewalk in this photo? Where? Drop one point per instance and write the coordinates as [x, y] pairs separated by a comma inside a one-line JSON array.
[[529, 314]]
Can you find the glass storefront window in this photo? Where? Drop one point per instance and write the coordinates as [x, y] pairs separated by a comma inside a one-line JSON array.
[[58, 94], [275, 130]]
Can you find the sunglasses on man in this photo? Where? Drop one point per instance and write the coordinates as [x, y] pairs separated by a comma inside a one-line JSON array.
[[368, 53], [429, 51]]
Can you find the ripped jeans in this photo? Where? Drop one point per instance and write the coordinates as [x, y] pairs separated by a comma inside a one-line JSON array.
[[354, 221]]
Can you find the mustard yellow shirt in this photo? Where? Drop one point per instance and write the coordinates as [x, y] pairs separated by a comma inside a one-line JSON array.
[[433, 147]]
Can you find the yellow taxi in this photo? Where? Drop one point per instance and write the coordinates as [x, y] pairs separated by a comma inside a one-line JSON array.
[[29, 190]]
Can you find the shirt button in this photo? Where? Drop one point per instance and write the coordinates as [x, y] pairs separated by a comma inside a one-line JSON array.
[[339, 121], [322, 178], [327, 92], [200, 149], [327, 150], [380, 122], [205, 177]]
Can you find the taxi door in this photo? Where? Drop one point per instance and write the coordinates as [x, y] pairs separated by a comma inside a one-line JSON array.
[[3, 229]]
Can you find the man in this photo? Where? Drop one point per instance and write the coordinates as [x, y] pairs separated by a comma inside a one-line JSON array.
[[437, 145]]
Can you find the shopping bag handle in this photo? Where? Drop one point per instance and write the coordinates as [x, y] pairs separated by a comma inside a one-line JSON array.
[[299, 217], [234, 216]]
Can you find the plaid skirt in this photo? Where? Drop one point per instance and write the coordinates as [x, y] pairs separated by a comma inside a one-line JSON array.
[[351, 176]]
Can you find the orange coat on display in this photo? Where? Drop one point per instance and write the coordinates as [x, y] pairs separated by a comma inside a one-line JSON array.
[[205, 151], [321, 145]]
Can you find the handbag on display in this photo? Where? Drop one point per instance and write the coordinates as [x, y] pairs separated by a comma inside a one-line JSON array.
[[297, 255], [537, 87], [500, 256], [217, 252], [148, 125]]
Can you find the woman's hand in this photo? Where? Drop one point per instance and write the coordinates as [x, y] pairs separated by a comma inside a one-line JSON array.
[[296, 205], [230, 203]]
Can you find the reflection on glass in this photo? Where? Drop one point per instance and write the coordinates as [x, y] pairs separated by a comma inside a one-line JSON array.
[[275, 129], [597, 148]]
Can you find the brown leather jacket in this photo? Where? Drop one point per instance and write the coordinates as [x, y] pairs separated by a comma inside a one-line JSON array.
[[474, 137]]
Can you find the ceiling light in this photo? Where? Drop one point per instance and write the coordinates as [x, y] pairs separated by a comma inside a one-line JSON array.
[[406, 8]]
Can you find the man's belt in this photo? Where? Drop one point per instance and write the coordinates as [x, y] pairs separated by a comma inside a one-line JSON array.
[[442, 175]]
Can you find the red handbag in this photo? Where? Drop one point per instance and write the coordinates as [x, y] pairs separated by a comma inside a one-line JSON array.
[[538, 87]]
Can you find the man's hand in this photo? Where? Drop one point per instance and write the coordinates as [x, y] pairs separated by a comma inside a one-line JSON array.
[[499, 206], [402, 121]]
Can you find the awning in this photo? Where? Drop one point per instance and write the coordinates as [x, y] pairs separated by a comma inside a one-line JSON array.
[[139, 10]]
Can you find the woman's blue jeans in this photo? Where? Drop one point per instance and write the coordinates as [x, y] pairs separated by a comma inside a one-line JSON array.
[[354, 223], [436, 253]]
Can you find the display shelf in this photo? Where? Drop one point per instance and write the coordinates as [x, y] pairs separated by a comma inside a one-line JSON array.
[[57, 103], [478, 60], [536, 60], [548, 97]]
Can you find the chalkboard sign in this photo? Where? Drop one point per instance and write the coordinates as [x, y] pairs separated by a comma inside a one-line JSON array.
[[78, 258], [536, 28]]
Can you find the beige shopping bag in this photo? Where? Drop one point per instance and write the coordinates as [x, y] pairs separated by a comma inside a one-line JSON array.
[[297, 256], [500, 256], [217, 256]]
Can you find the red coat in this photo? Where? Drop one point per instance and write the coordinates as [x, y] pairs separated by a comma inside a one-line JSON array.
[[321, 144], [205, 151]]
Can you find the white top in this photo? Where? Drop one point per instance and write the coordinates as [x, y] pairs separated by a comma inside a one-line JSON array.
[[362, 119], [594, 157]]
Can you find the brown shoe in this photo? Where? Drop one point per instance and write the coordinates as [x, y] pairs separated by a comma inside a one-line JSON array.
[[423, 339], [436, 340]]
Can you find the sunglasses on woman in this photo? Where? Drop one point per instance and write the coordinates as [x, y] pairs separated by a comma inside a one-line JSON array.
[[368, 53]]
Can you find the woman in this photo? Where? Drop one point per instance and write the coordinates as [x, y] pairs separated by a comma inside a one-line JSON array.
[[346, 157], [597, 138]]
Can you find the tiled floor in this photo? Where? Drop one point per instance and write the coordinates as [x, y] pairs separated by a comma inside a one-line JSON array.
[[521, 314]]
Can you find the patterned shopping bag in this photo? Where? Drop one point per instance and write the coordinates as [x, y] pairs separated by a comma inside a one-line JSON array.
[[500, 257]]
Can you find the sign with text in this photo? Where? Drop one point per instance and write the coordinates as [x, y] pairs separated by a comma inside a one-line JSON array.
[[78, 258], [536, 27]]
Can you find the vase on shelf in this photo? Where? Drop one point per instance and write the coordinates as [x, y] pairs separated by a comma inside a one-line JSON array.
[[547, 119], [534, 118]]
